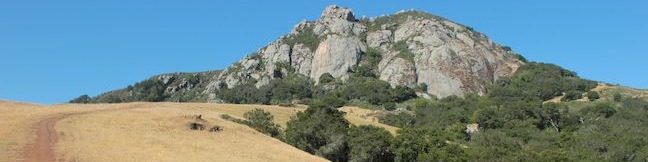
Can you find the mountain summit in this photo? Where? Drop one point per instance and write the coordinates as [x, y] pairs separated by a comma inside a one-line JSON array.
[[409, 48]]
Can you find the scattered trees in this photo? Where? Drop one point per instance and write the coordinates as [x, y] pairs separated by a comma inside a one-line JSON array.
[[369, 143], [81, 99]]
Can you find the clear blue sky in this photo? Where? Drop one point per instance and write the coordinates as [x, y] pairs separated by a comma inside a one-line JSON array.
[[52, 51]]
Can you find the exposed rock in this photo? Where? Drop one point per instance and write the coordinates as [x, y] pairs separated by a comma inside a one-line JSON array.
[[336, 55], [399, 72], [338, 20], [379, 38], [453, 63], [472, 128], [302, 59], [274, 53], [448, 57], [336, 12], [166, 79]]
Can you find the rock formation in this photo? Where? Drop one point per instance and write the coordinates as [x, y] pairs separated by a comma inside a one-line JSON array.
[[416, 48]]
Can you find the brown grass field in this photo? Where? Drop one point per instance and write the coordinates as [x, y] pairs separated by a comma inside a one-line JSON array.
[[150, 132]]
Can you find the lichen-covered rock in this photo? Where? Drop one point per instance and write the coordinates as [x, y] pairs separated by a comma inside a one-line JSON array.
[[302, 59], [338, 20], [380, 38], [399, 72], [452, 63], [336, 55]]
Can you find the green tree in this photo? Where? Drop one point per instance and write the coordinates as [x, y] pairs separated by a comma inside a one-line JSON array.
[[262, 121], [413, 143], [593, 96], [319, 130], [369, 143], [82, 99], [572, 95], [402, 93]]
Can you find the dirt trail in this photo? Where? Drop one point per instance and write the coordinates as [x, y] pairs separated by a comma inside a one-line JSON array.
[[41, 150]]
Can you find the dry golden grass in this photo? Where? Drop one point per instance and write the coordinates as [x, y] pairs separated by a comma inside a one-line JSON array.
[[154, 132], [360, 116], [158, 132], [16, 125]]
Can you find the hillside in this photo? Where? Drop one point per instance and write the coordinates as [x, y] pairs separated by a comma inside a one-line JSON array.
[[409, 48], [145, 132]]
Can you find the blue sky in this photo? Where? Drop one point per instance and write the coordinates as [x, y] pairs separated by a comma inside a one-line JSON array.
[[52, 51]]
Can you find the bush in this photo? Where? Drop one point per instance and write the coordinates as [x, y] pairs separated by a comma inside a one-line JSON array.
[[306, 37], [262, 121], [572, 95], [400, 120], [404, 51], [604, 109], [326, 78], [592, 95], [617, 97], [389, 106], [232, 119]]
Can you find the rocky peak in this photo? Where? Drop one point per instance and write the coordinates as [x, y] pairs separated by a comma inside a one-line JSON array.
[[335, 12], [415, 48]]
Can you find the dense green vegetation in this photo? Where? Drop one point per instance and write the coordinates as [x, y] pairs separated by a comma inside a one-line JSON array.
[[306, 37], [179, 87], [514, 125], [359, 89]]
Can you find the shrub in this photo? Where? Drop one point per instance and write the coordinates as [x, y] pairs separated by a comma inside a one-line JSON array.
[[402, 93], [232, 119], [400, 120], [617, 97], [306, 37], [262, 121], [572, 95], [389, 106], [593, 96], [404, 51], [604, 109], [326, 78]]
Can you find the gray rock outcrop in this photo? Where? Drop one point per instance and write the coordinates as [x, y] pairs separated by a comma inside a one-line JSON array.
[[415, 47]]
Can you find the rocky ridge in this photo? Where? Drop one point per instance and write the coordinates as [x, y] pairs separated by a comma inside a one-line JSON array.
[[415, 48]]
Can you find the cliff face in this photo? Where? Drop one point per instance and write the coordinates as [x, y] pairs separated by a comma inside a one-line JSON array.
[[414, 48]]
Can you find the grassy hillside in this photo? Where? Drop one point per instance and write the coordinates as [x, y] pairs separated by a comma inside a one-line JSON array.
[[152, 132]]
